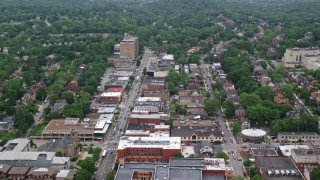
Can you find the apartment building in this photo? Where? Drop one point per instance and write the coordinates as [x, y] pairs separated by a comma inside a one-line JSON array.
[[307, 57], [129, 47], [305, 157], [297, 136]]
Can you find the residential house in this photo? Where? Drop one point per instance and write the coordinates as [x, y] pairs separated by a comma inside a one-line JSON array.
[[280, 99], [29, 97], [258, 71], [73, 86], [265, 80]]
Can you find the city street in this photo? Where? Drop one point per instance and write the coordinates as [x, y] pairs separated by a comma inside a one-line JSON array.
[[228, 145], [108, 161], [38, 115]]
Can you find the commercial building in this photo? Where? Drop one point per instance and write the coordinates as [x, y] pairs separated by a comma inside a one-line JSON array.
[[102, 125], [297, 136], [17, 145], [164, 94], [286, 150], [177, 168], [34, 159], [58, 128], [129, 47], [197, 135], [150, 119], [306, 157], [148, 149], [277, 168], [307, 57], [110, 97]]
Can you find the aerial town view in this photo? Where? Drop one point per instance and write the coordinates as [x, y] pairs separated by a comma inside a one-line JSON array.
[[159, 89]]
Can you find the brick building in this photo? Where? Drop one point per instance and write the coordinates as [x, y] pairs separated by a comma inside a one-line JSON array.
[[147, 149], [129, 47], [164, 94], [152, 119], [110, 98]]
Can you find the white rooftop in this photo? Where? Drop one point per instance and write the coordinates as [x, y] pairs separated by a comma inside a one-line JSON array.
[[150, 142], [16, 156], [286, 149], [253, 132], [102, 131], [126, 78], [168, 57], [186, 151], [149, 116], [151, 99], [107, 110], [111, 94], [60, 160], [103, 120], [63, 173]]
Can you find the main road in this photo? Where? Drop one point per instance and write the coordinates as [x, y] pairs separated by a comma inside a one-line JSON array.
[[107, 162]]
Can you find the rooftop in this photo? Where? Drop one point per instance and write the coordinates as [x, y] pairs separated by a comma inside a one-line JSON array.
[[64, 174], [253, 132], [111, 94], [148, 116], [298, 133], [150, 142], [58, 125], [143, 99], [185, 174], [286, 149], [188, 132], [32, 156], [274, 165], [307, 152], [16, 145]]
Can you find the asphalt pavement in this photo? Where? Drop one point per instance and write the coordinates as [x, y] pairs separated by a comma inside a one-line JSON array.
[[113, 137], [37, 116]]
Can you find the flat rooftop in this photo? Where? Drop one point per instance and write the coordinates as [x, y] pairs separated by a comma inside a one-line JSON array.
[[143, 99], [185, 174], [298, 134], [111, 94], [125, 171], [286, 149], [32, 156], [150, 142], [272, 164], [264, 151], [148, 116], [59, 126]]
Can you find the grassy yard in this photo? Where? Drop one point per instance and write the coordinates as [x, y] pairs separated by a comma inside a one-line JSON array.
[[38, 130]]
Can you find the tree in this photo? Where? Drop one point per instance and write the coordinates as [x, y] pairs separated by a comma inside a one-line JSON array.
[[59, 154], [230, 109], [41, 94], [88, 165], [315, 173], [238, 178], [68, 96], [287, 91], [235, 127], [247, 163], [221, 154], [249, 99], [178, 155], [212, 106], [265, 93], [110, 175], [83, 174]]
